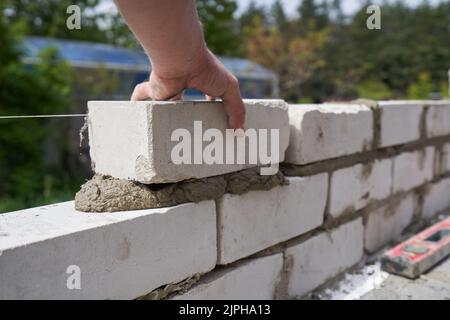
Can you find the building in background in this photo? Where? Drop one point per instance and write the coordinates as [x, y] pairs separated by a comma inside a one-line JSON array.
[[104, 71]]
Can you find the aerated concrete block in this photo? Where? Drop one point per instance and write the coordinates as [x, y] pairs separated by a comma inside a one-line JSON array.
[[55, 252], [400, 122], [436, 198], [354, 187], [388, 222], [323, 256], [412, 169], [158, 142], [438, 118], [327, 131], [257, 220], [254, 279]]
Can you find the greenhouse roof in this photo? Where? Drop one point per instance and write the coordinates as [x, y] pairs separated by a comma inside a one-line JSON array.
[[91, 54]]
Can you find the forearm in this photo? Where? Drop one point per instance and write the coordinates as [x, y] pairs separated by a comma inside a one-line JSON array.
[[169, 31]]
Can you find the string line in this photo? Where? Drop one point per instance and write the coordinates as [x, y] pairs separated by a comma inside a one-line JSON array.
[[44, 116]]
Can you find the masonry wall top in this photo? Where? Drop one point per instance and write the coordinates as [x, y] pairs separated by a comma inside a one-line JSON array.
[[137, 140]]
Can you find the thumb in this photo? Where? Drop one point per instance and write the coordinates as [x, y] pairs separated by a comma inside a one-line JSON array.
[[141, 92]]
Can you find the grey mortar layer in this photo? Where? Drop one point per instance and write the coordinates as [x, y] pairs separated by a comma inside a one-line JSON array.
[[107, 194]]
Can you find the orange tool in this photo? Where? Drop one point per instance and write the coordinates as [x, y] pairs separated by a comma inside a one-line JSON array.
[[419, 253]]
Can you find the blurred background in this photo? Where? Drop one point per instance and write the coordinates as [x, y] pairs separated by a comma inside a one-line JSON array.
[[304, 51]]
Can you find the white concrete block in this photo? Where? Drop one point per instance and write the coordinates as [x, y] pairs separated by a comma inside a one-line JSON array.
[[437, 198], [326, 131], [412, 169], [438, 118], [353, 188], [256, 220], [388, 222], [442, 160], [400, 122], [254, 279], [133, 140], [120, 255], [324, 256]]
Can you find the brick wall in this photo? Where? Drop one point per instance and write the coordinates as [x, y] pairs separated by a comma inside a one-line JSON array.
[[356, 176]]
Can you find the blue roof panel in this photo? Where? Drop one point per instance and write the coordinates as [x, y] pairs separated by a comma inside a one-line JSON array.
[[80, 51], [90, 52]]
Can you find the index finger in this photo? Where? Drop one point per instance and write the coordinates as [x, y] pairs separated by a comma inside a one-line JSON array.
[[233, 105]]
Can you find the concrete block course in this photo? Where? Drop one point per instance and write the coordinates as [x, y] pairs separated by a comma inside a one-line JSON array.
[[324, 256], [438, 118], [436, 198], [257, 220], [412, 169], [327, 131], [388, 222], [224, 231], [400, 122], [354, 187], [163, 141], [250, 279], [116, 255]]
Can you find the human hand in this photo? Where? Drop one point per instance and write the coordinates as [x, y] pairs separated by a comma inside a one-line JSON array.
[[208, 75]]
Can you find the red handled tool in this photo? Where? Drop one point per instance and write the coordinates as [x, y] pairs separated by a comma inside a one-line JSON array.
[[419, 253]]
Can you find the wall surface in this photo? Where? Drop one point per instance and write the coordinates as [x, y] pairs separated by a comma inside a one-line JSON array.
[[356, 176]]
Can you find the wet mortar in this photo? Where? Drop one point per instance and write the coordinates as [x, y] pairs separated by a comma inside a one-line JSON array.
[[107, 194]]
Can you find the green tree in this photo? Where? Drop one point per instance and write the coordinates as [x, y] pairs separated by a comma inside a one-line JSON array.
[[338, 13], [422, 88], [117, 32], [312, 16], [48, 18], [373, 90], [23, 91], [279, 17], [253, 13], [220, 28], [445, 89], [411, 40], [294, 59]]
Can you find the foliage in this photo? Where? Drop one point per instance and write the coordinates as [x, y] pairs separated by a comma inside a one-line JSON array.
[[373, 90], [48, 18], [219, 26], [313, 16], [422, 88], [353, 60], [253, 12], [294, 58], [445, 89], [22, 92]]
